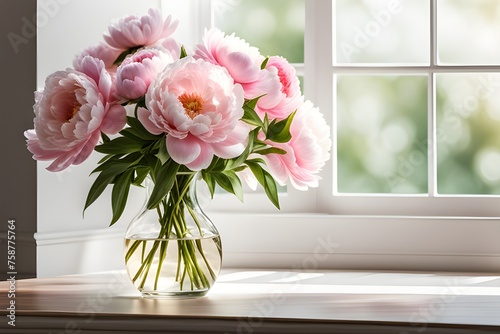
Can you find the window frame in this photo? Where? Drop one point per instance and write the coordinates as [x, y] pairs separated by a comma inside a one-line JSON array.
[[431, 204]]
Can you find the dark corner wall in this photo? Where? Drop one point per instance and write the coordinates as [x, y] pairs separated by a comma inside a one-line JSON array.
[[17, 169]]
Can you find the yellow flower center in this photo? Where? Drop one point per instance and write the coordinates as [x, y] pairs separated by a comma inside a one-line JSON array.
[[74, 108], [192, 103]]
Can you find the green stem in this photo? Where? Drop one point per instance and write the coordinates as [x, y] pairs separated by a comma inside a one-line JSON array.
[[200, 248], [171, 217]]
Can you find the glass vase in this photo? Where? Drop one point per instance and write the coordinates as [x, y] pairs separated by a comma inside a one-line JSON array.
[[173, 250]]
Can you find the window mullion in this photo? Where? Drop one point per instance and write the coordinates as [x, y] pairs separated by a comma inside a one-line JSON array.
[[433, 33], [431, 109]]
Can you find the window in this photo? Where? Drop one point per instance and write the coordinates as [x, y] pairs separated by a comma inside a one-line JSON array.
[[415, 104], [394, 195], [413, 116]]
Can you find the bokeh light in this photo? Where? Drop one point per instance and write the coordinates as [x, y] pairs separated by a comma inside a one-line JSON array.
[[382, 134], [382, 31], [276, 27], [468, 127], [468, 31]]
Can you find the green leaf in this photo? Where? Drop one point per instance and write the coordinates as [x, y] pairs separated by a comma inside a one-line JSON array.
[[270, 150], [183, 52], [100, 183], [104, 137], [249, 115], [106, 157], [162, 150], [266, 122], [266, 181], [234, 163], [117, 162], [259, 145], [217, 165], [279, 132], [120, 145], [154, 165], [235, 184], [230, 182], [165, 177], [264, 63], [124, 55], [240, 169], [131, 134], [109, 170], [271, 189], [141, 174], [119, 194], [210, 181], [137, 129]]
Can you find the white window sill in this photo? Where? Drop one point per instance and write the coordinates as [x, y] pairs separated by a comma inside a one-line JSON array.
[[264, 301], [304, 241]]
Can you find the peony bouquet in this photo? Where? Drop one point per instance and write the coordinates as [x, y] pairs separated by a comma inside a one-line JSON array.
[[222, 111]]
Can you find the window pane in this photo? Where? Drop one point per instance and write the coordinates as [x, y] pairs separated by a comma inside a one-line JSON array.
[[468, 133], [382, 134], [276, 27], [468, 31], [382, 31]]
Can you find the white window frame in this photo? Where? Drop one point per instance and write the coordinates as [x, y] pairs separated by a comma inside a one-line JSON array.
[[431, 204], [379, 231]]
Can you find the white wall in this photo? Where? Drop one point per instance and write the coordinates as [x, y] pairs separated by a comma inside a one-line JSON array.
[[67, 242]]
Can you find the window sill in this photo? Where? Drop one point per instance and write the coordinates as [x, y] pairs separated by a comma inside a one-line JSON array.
[[264, 301], [305, 241]]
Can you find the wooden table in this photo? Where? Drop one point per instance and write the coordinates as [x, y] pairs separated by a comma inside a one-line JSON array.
[[261, 301]]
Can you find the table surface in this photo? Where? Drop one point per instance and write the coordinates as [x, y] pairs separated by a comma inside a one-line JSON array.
[[262, 301]]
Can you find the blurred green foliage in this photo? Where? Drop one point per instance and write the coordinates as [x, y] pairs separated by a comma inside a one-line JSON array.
[[276, 27], [468, 133], [382, 134]]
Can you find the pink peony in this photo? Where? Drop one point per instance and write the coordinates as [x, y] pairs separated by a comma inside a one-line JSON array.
[[70, 114], [242, 61], [137, 71], [137, 31], [100, 51], [95, 69], [306, 152], [199, 107], [281, 103]]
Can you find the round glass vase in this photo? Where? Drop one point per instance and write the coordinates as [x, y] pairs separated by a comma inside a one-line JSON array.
[[173, 250]]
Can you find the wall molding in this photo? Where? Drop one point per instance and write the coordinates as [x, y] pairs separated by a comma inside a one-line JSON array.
[[54, 238], [324, 242]]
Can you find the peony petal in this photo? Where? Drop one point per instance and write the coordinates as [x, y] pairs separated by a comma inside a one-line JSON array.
[[203, 160], [70, 114], [234, 144], [212, 122], [87, 148], [132, 31], [183, 151], [144, 117], [34, 147], [240, 67], [114, 120]]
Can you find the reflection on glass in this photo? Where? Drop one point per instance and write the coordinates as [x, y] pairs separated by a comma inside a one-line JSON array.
[[468, 133], [468, 31], [382, 134], [276, 27], [382, 31]]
